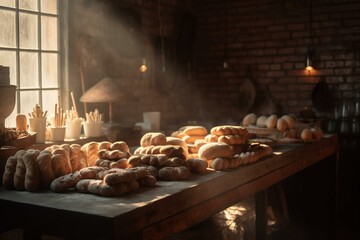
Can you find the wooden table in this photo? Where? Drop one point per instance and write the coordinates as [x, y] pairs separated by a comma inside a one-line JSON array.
[[156, 213]]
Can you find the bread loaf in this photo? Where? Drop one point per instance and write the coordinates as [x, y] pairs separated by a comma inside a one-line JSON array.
[[120, 145], [194, 130], [60, 165], [103, 163], [152, 138], [46, 172], [211, 151], [101, 188], [135, 160], [281, 124], [32, 179], [176, 141], [177, 134], [77, 158], [233, 139], [271, 121], [192, 138], [261, 121], [119, 177], [173, 173], [147, 181], [66, 182], [197, 165], [317, 133], [67, 149], [219, 164], [104, 145], [9, 172], [211, 138], [116, 154], [172, 151], [290, 121], [249, 119], [91, 151], [306, 135], [174, 162], [83, 185], [140, 172], [90, 172], [19, 176], [228, 130]]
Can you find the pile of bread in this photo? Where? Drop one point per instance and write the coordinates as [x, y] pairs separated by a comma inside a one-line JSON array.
[[109, 169], [65, 167], [224, 147], [286, 124]]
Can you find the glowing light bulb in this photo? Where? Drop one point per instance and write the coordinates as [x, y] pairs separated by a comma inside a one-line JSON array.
[[309, 68], [143, 67]]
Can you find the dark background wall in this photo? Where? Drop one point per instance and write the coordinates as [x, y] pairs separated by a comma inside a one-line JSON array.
[[272, 37], [269, 38]]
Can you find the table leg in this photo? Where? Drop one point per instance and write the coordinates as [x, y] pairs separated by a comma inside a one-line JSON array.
[[333, 195], [261, 215]]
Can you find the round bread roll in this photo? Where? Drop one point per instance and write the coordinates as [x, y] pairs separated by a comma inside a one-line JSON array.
[[249, 119], [261, 121], [281, 124], [213, 150], [271, 121], [317, 133], [289, 120], [306, 135]]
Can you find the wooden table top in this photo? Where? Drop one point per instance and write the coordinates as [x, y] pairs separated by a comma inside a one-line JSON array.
[[153, 211]]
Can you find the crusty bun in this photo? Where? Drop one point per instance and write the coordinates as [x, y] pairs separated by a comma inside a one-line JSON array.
[[194, 130], [153, 139], [213, 150]]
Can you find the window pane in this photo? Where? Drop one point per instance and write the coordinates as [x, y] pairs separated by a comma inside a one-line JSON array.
[[8, 59], [7, 29], [28, 99], [28, 28], [50, 98], [49, 70], [29, 70], [28, 5], [49, 33], [49, 6], [7, 3]]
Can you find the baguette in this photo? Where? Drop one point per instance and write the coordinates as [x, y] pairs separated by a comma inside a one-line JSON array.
[[46, 172], [9, 172], [19, 176], [173, 173], [213, 150], [65, 182], [60, 165], [32, 181]]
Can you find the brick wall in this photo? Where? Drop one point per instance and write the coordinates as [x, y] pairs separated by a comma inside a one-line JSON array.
[[271, 37], [268, 37]]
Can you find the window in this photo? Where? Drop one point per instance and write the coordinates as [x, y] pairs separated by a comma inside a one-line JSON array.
[[29, 45]]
